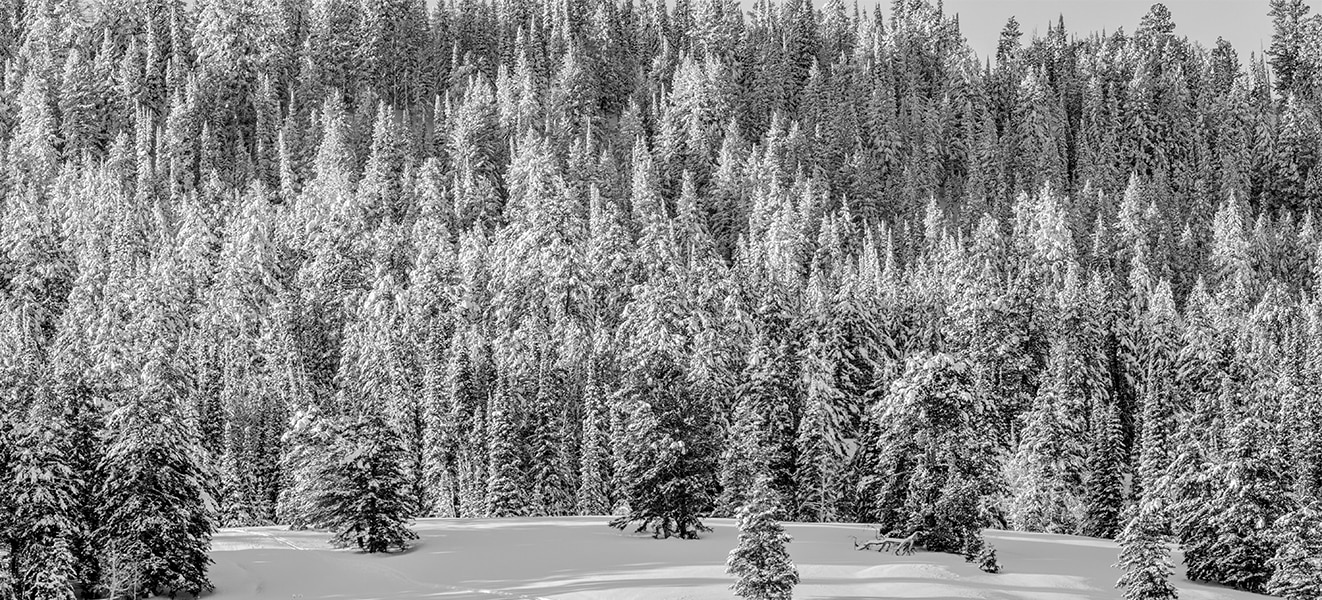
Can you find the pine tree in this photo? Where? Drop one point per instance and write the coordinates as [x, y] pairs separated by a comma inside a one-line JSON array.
[[53, 571], [1243, 510], [81, 120], [761, 561], [505, 498], [593, 474], [33, 159], [819, 450], [361, 495], [744, 459], [41, 486], [1288, 38], [1104, 498], [986, 559], [936, 469], [1145, 559], [307, 444], [1297, 566], [156, 515], [668, 463]]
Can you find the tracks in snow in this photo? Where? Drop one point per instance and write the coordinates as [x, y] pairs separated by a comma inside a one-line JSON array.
[[400, 574]]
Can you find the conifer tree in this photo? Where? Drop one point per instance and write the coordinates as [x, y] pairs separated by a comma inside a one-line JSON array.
[[1297, 565], [744, 459], [361, 495], [668, 464], [1145, 559], [307, 445], [593, 473], [156, 515], [761, 561], [1104, 498], [505, 498]]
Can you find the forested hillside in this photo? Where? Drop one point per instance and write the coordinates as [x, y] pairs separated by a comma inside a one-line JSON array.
[[553, 257]]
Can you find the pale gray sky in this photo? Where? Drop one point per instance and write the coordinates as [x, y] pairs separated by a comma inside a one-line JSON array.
[[1242, 22]]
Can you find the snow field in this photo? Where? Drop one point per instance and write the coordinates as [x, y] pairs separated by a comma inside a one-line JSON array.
[[580, 558]]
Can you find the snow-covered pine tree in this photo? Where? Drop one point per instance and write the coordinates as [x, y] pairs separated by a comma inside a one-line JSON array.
[[1103, 487], [53, 571], [767, 388], [668, 459], [1042, 501], [936, 467], [1244, 507], [505, 494], [362, 496], [820, 452], [156, 515], [761, 561], [1297, 565], [594, 478], [306, 447], [1145, 559], [1157, 394], [41, 488], [744, 459]]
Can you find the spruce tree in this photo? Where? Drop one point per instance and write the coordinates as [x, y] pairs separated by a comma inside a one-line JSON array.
[[1104, 494], [362, 496], [41, 487], [1145, 559], [505, 496], [306, 446], [761, 561], [156, 515], [1297, 565], [669, 458], [744, 459]]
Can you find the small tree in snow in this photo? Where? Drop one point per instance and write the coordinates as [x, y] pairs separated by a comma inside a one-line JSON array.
[[987, 559], [761, 561], [1145, 559], [363, 499]]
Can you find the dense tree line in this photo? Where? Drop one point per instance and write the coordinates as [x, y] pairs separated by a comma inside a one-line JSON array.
[[262, 260]]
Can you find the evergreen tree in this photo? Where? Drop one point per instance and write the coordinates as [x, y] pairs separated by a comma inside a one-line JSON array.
[[1297, 566], [744, 459], [156, 515], [307, 444], [505, 498], [669, 460], [761, 561], [1145, 559], [935, 467], [1104, 498], [361, 494]]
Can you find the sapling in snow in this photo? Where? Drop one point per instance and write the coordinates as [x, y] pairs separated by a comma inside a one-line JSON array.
[[761, 561]]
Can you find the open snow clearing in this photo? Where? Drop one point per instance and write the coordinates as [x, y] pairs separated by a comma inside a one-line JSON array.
[[580, 558]]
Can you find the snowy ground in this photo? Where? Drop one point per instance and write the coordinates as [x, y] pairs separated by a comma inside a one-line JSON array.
[[581, 558]]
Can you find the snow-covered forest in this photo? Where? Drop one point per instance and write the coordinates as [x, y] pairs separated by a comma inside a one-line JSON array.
[[344, 263]]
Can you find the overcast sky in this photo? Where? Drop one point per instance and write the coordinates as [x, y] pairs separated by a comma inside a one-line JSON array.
[[1242, 22]]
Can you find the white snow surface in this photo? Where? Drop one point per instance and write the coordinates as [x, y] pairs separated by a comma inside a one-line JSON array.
[[581, 558]]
